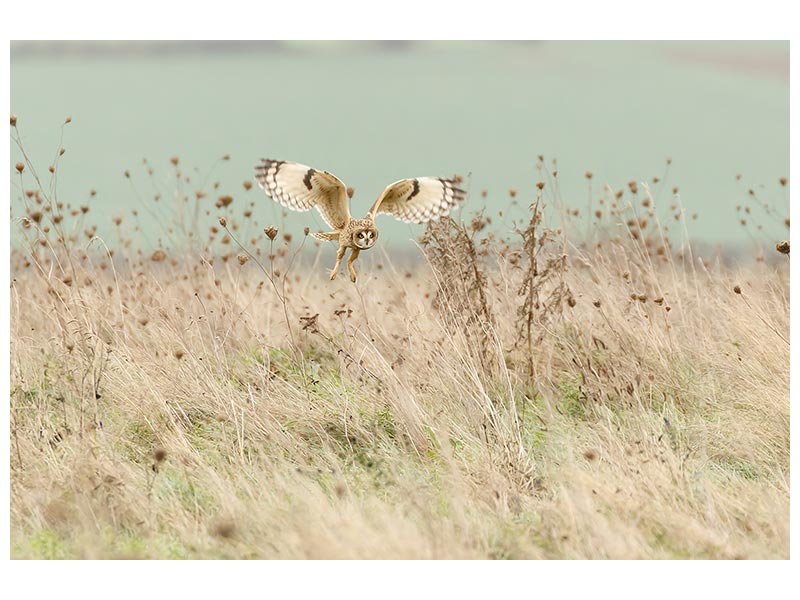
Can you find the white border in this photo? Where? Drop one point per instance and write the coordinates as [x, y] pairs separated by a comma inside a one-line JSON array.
[[409, 19]]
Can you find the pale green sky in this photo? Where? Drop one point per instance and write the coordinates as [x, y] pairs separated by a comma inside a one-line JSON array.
[[373, 115]]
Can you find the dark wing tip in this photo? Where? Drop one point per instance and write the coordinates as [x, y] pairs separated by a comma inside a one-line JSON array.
[[452, 185], [266, 163]]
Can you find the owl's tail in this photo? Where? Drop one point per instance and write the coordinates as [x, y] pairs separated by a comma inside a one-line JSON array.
[[330, 236]]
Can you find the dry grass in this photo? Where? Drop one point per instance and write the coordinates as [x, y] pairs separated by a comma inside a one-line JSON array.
[[506, 398]]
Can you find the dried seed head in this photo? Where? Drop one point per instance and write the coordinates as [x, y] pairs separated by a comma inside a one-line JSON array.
[[159, 454], [158, 256], [271, 232], [588, 175], [67, 120], [287, 237], [590, 454], [242, 258], [247, 184], [782, 180], [61, 151], [174, 160], [596, 303], [127, 174], [512, 192], [782, 247], [484, 193], [350, 192], [20, 167], [223, 221], [225, 529], [737, 289], [633, 187], [540, 184], [224, 201], [305, 230], [13, 120], [340, 489]]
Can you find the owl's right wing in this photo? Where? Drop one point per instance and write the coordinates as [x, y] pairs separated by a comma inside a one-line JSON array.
[[302, 188]]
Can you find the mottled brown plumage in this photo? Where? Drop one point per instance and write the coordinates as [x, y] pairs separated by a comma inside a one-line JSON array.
[[302, 188]]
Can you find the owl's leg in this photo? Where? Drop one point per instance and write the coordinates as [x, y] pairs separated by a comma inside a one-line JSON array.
[[339, 257], [353, 256]]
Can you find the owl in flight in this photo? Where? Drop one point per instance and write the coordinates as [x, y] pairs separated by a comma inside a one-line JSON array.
[[302, 188]]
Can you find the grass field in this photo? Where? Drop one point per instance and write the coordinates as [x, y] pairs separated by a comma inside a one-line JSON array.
[[508, 396]]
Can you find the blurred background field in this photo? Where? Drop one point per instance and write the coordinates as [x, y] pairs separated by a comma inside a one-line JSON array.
[[375, 112]]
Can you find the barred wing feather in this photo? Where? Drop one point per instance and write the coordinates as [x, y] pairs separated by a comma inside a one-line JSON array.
[[419, 200], [302, 188]]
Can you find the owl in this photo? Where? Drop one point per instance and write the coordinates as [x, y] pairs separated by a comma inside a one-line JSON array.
[[302, 188]]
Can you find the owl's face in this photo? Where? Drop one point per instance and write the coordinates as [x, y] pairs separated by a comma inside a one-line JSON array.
[[365, 238]]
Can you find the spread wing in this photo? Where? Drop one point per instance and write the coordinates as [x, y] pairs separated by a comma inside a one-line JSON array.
[[302, 188], [419, 200]]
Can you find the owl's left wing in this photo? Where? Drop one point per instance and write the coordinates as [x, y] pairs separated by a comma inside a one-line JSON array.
[[419, 200]]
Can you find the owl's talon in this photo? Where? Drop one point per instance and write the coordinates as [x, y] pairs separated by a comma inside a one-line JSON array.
[[333, 274], [353, 276]]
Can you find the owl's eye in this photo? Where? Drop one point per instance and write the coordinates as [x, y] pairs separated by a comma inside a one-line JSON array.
[[361, 235]]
